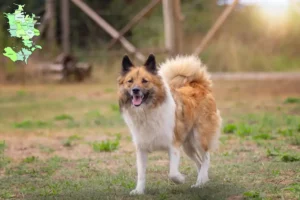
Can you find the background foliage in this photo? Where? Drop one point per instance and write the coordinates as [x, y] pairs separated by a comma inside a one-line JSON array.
[[247, 41]]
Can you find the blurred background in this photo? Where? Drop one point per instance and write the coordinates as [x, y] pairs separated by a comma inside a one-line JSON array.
[[62, 135], [254, 36]]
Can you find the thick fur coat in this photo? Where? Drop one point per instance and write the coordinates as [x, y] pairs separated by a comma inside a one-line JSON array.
[[169, 108]]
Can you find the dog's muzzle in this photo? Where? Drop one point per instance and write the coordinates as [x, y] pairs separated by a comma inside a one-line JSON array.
[[136, 96]]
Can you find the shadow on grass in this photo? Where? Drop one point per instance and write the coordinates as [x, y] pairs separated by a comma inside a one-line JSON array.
[[212, 191]]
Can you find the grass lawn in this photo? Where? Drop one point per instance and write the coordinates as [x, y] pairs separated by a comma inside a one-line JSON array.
[[70, 142]]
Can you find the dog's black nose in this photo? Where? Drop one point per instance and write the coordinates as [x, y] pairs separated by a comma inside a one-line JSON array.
[[135, 90]]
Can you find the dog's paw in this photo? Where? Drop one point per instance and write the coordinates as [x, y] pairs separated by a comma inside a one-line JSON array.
[[200, 183], [136, 192], [196, 186], [177, 178]]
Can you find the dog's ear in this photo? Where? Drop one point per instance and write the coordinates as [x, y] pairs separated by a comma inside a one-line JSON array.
[[126, 64], [150, 64]]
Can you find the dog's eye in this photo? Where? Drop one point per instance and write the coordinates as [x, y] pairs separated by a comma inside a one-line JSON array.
[[130, 81], [144, 81]]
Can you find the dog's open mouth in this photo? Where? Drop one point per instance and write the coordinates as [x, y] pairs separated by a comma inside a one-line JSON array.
[[137, 100]]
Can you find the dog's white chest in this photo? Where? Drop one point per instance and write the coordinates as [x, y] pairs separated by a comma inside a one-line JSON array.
[[152, 129]]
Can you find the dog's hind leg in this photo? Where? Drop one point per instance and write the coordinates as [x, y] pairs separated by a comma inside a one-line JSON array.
[[203, 171], [201, 158], [205, 138], [174, 174]]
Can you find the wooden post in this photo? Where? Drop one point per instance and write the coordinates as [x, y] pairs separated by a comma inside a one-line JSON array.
[[109, 29], [51, 30], [178, 26], [220, 21], [134, 21], [169, 26], [65, 26], [172, 23]]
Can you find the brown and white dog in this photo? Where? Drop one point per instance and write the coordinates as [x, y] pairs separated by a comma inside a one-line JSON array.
[[168, 108]]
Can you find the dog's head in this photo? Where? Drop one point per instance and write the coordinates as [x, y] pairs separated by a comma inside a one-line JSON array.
[[140, 85]]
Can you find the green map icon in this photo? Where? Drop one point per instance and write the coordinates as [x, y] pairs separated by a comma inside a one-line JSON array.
[[21, 25]]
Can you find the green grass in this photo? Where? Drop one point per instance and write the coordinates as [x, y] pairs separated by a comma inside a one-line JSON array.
[[295, 140], [273, 152], [290, 158], [6, 195], [70, 141], [244, 130], [2, 146], [30, 159], [46, 149], [63, 117], [76, 147], [229, 128], [114, 107], [263, 136], [292, 100], [286, 131], [3, 159], [29, 124], [106, 145], [252, 195], [294, 188], [284, 157]]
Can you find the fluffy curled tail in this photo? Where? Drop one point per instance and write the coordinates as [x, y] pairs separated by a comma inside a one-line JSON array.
[[182, 70]]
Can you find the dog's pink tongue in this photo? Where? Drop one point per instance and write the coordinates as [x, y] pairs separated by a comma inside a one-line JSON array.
[[137, 100]]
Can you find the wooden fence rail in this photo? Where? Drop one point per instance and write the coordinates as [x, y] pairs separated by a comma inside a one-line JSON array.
[[134, 21], [109, 29]]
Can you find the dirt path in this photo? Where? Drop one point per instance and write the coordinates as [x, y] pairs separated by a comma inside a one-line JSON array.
[[264, 76]]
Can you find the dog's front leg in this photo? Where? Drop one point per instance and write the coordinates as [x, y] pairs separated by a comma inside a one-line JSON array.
[[174, 174], [141, 161]]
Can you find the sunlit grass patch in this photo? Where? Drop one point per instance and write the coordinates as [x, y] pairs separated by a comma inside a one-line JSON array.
[[273, 152], [30, 124], [283, 156], [239, 129], [63, 117], [109, 90], [75, 137], [34, 167], [2, 146], [4, 161], [229, 128], [30, 159], [252, 195], [95, 118], [244, 130], [285, 131], [290, 158], [294, 188], [70, 141], [7, 195], [51, 189], [292, 100], [263, 126], [46, 149], [114, 107], [294, 140], [263, 136], [18, 96], [106, 145]]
